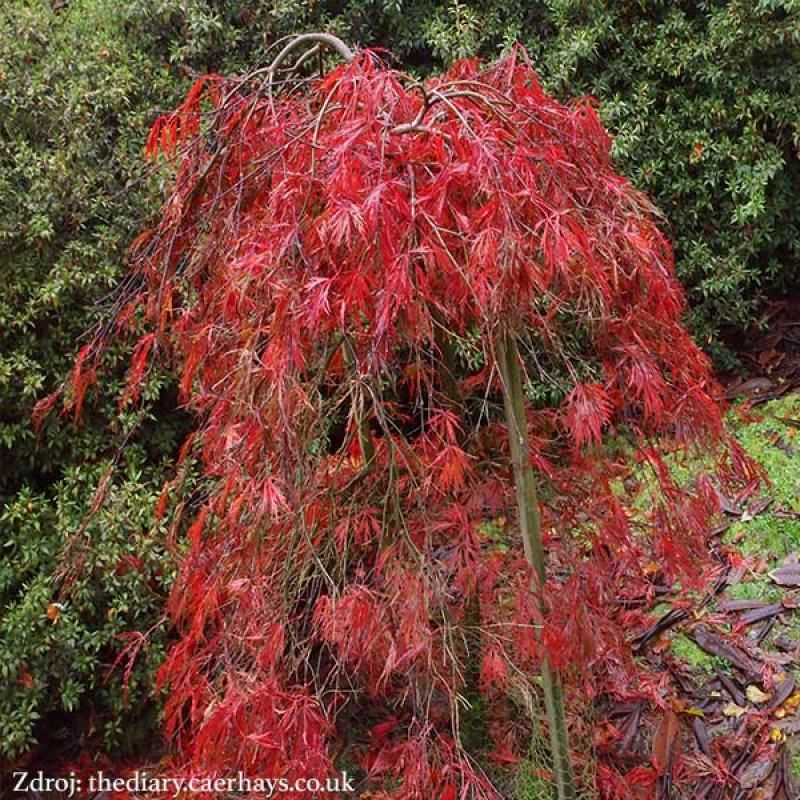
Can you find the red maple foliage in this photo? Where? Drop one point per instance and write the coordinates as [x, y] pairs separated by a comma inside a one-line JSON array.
[[329, 277]]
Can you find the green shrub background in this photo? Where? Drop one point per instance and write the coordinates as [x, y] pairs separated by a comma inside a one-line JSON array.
[[702, 99]]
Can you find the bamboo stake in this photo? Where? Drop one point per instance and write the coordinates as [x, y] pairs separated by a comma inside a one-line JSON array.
[[528, 509]]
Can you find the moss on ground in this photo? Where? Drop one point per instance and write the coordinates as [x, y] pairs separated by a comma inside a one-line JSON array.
[[771, 436], [684, 648]]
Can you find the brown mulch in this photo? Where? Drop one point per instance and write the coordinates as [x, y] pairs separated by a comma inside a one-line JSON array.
[[770, 358], [734, 728]]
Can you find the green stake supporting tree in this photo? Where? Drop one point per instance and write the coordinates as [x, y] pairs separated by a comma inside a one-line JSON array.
[[349, 275], [531, 529]]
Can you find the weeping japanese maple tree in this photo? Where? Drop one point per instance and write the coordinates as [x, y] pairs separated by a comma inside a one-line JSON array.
[[367, 285]]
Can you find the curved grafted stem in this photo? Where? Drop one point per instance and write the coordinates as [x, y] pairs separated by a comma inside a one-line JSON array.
[[318, 40]]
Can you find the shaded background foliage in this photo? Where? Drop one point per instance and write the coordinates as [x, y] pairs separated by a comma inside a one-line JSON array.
[[73, 96], [701, 97]]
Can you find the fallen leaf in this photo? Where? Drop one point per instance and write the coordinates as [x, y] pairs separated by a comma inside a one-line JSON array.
[[769, 357], [783, 691], [736, 575], [727, 505], [777, 735], [794, 700], [662, 624], [781, 789], [740, 605], [757, 614], [732, 710], [630, 727], [757, 637], [785, 644], [788, 575], [661, 644], [789, 726], [786, 448], [755, 508], [731, 688], [701, 735], [752, 388], [760, 566], [667, 742], [755, 695], [716, 646], [755, 774]]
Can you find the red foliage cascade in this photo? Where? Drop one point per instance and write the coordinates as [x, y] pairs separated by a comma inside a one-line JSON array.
[[324, 263]]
